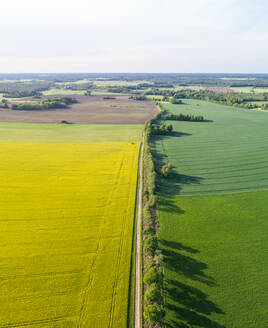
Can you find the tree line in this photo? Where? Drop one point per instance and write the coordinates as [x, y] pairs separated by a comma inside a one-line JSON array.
[[154, 312], [232, 99], [23, 94], [185, 117], [47, 103]]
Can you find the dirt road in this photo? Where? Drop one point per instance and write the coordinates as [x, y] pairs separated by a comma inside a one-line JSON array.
[[138, 308]]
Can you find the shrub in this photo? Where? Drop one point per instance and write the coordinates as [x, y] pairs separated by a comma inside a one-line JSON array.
[[146, 194], [150, 245], [152, 276], [149, 231], [166, 170], [163, 129], [153, 295], [174, 100], [146, 212], [153, 314], [185, 117], [138, 97]]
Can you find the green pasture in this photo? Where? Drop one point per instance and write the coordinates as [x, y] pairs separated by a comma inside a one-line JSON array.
[[259, 103], [226, 153], [237, 78], [69, 132], [190, 87], [118, 83], [215, 260], [56, 91], [249, 89]]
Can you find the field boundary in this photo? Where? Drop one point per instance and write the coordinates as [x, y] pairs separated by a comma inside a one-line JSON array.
[[132, 273]]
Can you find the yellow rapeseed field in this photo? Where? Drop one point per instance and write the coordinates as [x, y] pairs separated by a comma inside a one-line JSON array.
[[66, 224]]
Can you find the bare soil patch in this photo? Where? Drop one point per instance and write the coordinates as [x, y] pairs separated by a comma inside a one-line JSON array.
[[90, 109]]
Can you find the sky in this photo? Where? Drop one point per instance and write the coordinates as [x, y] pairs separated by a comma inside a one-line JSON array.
[[172, 36]]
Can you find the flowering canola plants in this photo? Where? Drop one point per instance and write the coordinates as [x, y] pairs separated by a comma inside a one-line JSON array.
[[66, 227]]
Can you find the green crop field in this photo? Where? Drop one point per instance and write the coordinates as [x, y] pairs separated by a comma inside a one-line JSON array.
[[216, 265], [67, 194], [66, 229], [56, 91], [226, 154], [213, 217], [249, 89], [69, 132]]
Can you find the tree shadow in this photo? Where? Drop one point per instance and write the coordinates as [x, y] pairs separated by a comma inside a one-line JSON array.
[[173, 185], [178, 246], [190, 305], [189, 319], [208, 121], [191, 298], [186, 266], [177, 134], [168, 205]]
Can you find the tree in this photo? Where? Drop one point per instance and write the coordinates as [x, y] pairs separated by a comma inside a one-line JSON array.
[[152, 276], [150, 245], [87, 93], [149, 230], [153, 314], [169, 128], [153, 295], [174, 100], [4, 102], [166, 170]]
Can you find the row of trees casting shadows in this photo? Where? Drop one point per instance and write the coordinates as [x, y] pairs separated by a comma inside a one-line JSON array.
[[175, 182], [190, 305]]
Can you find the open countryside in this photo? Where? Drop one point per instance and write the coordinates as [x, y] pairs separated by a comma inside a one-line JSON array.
[[133, 201]]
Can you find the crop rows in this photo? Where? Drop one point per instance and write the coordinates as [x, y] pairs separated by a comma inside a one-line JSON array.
[[226, 154]]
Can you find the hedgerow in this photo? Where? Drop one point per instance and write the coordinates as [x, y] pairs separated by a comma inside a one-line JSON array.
[[152, 258]]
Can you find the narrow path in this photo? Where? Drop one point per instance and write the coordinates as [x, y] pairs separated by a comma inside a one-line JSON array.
[[137, 322]]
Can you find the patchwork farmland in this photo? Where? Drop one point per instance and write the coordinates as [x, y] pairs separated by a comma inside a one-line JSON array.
[[89, 110], [213, 217], [67, 195], [73, 253]]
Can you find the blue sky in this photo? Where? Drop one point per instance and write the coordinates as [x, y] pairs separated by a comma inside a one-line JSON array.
[[134, 36]]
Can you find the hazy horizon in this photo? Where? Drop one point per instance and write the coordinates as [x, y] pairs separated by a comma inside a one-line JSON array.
[[137, 73]]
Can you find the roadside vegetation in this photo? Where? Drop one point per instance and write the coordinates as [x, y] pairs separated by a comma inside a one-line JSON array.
[[153, 314]]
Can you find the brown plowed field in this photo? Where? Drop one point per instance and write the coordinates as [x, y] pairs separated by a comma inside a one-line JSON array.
[[90, 109]]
